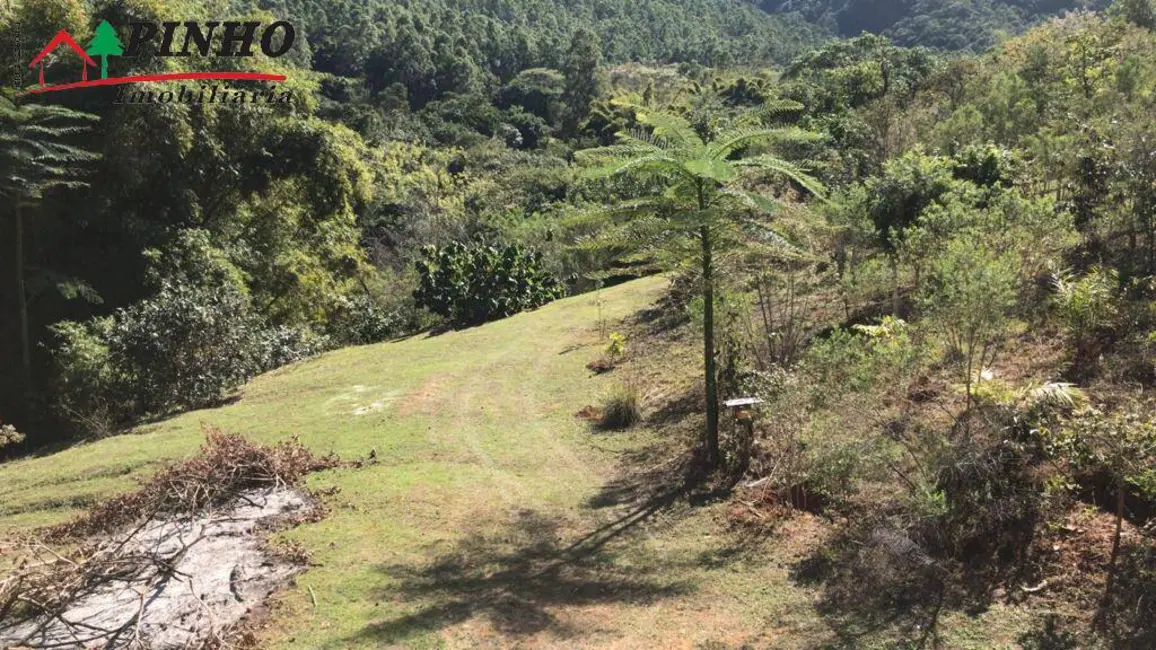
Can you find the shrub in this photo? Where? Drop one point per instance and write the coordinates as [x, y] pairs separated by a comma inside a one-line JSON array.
[[856, 360], [621, 409], [283, 345], [469, 283], [1088, 305], [186, 346], [969, 298], [361, 321], [88, 389]]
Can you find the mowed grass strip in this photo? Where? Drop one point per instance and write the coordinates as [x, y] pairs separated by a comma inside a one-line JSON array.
[[399, 398], [488, 519]]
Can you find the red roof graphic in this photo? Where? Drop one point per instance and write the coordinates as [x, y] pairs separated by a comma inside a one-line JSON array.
[[62, 37]]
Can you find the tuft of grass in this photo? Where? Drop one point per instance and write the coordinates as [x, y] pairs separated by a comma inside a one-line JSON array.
[[621, 408]]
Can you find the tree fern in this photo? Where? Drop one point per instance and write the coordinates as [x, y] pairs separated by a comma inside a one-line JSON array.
[[36, 156], [701, 199]]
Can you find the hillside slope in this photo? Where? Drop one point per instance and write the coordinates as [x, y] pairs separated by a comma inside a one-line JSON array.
[[942, 24], [494, 517]]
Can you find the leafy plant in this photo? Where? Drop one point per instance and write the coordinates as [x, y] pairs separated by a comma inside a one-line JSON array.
[[969, 299], [469, 283], [617, 346], [362, 321], [1087, 305], [185, 347], [1120, 444]]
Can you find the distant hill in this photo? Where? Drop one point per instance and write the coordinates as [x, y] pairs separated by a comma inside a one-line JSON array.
[[940, 24], [506, 36]]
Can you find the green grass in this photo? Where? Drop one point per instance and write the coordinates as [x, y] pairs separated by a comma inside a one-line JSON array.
[[489, 518]]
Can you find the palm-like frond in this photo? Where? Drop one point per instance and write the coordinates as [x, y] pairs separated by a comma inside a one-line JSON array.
[[35, 152], [735, 139], [670, 127], [1054, 394], [774, 109], [783, 168], [700, 192], [654, 163]]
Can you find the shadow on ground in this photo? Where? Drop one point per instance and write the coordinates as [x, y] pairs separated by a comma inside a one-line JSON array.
[[514, 580], [518, 578]]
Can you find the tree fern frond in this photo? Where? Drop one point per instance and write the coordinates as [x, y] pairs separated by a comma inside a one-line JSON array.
[[783, 168], [671, 127], [736, 139], [652, 163], [752, 200], [774, 109]]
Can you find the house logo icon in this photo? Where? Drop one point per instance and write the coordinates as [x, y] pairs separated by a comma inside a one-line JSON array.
[[63, 38]]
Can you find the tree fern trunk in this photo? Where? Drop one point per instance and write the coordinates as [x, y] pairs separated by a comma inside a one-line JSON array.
[[708, 348], [22, 299], [1101, 617]]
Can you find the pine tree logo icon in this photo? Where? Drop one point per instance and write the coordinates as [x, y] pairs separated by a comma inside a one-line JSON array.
[[105, 44]]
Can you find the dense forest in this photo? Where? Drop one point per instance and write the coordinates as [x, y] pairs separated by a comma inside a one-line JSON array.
[[940, 24]]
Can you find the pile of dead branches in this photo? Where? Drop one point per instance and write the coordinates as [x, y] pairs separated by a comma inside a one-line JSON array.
[[226, 466], [98, 553]]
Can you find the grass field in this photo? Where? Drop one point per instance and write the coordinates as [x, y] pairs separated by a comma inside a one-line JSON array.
[[494, 517]]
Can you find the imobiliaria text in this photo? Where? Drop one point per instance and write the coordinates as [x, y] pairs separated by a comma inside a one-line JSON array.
[[228, 39]]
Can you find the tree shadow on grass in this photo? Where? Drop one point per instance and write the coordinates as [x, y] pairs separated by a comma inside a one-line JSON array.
[[514, 580], [518, 578], [880, 586]]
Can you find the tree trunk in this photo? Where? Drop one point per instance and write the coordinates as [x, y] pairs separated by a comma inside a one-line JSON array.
[[1105, 602], [895, 287], [22, 299], [708, 349]]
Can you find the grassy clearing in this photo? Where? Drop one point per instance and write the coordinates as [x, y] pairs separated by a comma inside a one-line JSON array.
[[494, 516]]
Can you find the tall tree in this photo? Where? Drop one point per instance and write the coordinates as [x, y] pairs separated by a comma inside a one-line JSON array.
[[698, 196], [583, 81], [35, 156]]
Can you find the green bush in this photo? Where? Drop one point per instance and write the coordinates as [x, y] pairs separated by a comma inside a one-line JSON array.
[[1088, 305], [361, 321], [185, 347], [469, 283], [88, 390], [855, 360]]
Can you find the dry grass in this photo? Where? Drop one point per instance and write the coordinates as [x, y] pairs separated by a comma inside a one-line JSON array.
[[621, 408]]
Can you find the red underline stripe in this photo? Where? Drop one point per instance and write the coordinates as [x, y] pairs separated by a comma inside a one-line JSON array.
[[170, 76]]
